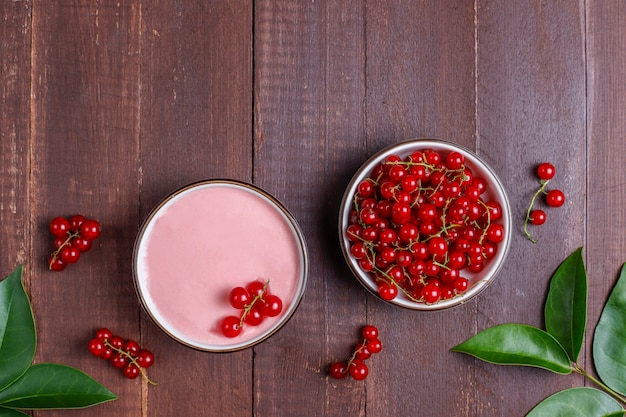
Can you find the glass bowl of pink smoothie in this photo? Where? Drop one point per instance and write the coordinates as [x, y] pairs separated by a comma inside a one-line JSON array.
[[202, 241]]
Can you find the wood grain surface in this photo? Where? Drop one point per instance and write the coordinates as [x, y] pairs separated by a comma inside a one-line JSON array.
[[108, 106]]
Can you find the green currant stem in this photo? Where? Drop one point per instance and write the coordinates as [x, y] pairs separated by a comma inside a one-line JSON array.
[[353, 357], [530, 208], [248, 307], [576, 368], [67, 241], [132, 360], [482, 237]]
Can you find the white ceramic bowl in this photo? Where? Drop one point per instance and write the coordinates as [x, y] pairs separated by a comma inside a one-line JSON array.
[[202, 241], [495, 191]]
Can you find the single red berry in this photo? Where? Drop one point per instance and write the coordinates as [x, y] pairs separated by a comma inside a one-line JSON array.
[[431, 293], [460, 284], [69, 254], [131, 371], [254, 316], [361, 351], [555, 198], [495, 232], [545, 171], [369, 332], [96, 347], [103, 334], [538, 217], [455, 160], [365, 188], [387, 291], [107, 353], [75, 222], [358, 370], [117, 342], [59, 241], [59, 227], [338, 370], [231, 326], [255, 288], [239, 297], [81, 243], [374, 345], [119, 360], [272, 305], [132, 348], [56, 264], [145, 358], [90, 229]]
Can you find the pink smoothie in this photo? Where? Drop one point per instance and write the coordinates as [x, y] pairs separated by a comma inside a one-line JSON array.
[[205, 241]]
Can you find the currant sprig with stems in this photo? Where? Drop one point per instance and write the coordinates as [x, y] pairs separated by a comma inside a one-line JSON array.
[[132, 359]]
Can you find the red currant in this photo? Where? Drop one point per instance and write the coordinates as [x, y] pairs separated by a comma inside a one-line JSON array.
[[90, 229], [60, 227], [103, 334], [545, 171], [253, 316], [338, 370], [387, 291], [369, 332], [131, 371], [119, 360], [239, 297], [69, 254], [75, 222], [255, 288], [82, 244], [374, 345], [538, 217], [145, 358], [555, 198], [96, 347], [56, 264], [272, 305], [132, 348], [231, 326], [431, 293], [358, 370]]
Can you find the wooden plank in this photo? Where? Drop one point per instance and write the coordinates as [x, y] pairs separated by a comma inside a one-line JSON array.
[[14, 136], [196, 123], [420, 83], [606, 130], [531, 109], [84, 160], [309, 137]]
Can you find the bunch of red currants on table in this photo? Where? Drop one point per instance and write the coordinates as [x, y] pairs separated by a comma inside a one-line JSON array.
[[356, 366], [126, 355], [553, 198], [72, 237]]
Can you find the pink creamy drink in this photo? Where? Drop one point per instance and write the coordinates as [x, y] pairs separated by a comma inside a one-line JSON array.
[[207, 239]]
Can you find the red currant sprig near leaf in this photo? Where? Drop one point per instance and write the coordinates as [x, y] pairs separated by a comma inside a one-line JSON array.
[[255, 303], [72, 237], [355, 366], [126, 355], [553, 198]]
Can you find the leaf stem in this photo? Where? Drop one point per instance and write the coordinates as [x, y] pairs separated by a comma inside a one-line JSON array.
[[576, 368]]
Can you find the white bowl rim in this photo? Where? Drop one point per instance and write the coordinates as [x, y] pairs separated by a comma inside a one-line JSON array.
[[475, 162]]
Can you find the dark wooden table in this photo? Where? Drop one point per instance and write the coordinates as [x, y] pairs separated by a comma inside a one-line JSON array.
[[107, 106]]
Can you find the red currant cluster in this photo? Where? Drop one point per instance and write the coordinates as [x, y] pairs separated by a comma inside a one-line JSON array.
[[72, 237], [418, 222], [553, 198], [356, 367], [255, 303], [123, 354]]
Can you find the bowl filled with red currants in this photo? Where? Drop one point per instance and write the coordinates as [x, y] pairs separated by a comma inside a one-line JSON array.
[[220, 265], [425, 224]]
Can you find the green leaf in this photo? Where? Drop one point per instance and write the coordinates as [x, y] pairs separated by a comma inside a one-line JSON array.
[[7, 412], [609, 354], [517, 344], [566, 304], [50, 385], [17, 329], [576, 402], [617, 414]]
